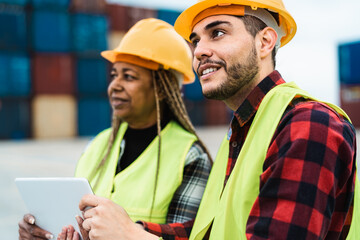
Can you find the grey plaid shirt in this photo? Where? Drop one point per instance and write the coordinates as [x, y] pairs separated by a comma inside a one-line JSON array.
[[187, 197]]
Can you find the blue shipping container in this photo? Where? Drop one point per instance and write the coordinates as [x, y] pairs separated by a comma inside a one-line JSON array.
[[196, 111], [349, 63], [193, 91], [13, 29], [15, 2], [168, 16], [89, 33], [51, 31], [15, 73], [51, 4], [94, 115], [92, 76], [14, 118]]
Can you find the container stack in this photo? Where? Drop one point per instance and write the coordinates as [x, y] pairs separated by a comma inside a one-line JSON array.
[[349, 74], [53, 81], [53, 101], [90, 27], [15, 81], [51, 68]]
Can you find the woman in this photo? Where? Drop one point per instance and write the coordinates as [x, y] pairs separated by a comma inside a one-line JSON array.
[[151, 161]]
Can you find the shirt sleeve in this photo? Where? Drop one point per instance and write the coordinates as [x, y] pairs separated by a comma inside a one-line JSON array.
[[186, 200], [307, 184]]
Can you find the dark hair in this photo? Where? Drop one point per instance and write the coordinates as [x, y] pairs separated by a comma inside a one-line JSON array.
[[254, 25]]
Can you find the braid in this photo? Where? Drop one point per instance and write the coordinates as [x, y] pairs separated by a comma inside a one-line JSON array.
[[116, 122], [168, 85], [158, 123]]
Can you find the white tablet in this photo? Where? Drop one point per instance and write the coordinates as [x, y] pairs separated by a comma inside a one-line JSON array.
[[53, 201]]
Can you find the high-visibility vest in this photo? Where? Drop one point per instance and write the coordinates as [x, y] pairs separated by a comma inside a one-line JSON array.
[[227, 209], [133, 187]]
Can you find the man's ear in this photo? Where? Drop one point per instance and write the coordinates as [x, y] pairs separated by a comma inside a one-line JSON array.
[[267, 37]]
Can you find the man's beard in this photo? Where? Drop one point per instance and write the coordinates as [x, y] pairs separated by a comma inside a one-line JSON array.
[[239, 76]]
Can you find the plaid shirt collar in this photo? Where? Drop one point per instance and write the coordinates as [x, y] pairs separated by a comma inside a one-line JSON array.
[[251, 104]]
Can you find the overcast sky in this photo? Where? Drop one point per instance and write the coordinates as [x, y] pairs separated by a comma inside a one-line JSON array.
[[310, 59]]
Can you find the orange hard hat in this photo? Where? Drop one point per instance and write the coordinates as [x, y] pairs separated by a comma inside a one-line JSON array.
[[286, 27], [154, 44]]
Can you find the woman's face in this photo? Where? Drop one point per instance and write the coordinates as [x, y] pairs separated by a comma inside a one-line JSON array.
[[131, 95]]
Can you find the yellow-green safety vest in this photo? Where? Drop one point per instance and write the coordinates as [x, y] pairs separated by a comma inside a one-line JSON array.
[[133, 187], [227, 210]]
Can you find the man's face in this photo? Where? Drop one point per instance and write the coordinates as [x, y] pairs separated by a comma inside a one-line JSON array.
[[225, 56]]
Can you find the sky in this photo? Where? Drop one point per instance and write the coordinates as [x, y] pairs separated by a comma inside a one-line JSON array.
[[310, 59]]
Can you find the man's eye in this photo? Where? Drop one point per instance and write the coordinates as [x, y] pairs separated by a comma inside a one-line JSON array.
[[194, 42], [218, 33]]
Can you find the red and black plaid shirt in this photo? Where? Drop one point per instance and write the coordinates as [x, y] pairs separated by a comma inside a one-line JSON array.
[[307, 184]]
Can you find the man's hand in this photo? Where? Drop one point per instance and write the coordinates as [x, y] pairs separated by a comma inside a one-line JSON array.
[[105, 220]]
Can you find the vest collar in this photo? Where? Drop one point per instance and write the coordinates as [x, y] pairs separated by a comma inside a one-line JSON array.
[[248, 108]]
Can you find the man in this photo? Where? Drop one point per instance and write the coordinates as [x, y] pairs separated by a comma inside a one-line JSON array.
[[286, 169]]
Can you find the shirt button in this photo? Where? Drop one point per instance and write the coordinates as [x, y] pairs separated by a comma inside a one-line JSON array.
[[234, 144]]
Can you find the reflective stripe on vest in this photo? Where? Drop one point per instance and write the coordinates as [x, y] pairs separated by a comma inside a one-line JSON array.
[[133, 187], [227, 210]]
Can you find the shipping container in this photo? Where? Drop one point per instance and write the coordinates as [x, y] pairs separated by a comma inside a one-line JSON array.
[[89, 33], [51, 4], [53, 73], [15, 2], [193, 91], [94, 115], [114, 39], [15, 78], [14, 118], [88, 6], [136, 14], [92, 76], [54, 116], [118, 17], [13, 28], [350, 102], [122, 18], [217, 113], [50, 31], [196, 111], [349, 63], [168, 16]]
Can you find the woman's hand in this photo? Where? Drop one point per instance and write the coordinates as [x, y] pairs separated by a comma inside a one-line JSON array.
[[29, 230], [105, 220]]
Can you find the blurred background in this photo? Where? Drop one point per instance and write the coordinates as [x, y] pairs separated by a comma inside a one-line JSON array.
[[53, 81]]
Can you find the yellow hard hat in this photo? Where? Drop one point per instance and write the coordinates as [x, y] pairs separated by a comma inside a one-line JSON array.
[[286, 28], [154, 44]]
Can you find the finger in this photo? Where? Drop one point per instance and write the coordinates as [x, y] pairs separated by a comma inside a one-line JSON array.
[[87, 224], [24, 234], [90, 213], [88, 200], [70, 232], [62, 234], [29, 219], [77, 236], [84, 233], [32, 231]]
